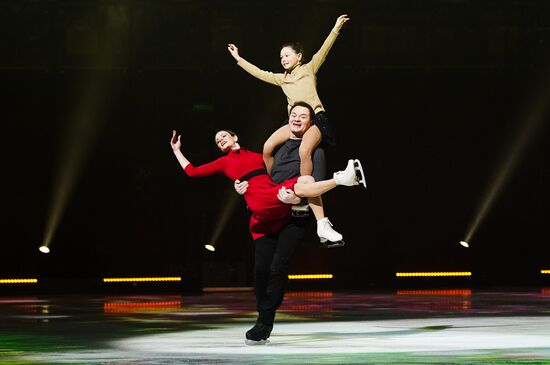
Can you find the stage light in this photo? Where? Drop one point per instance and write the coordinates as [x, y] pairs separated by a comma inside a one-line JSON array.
[[433, 274], [437, 292], [130, 307], [310, 276], [44, 249], [529, 126], [226, 212], [210, 247], [18, 281], [142, 279], [91, 103], [465, 244]]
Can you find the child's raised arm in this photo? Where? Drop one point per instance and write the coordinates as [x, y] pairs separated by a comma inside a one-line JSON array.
[[266, 76], [318, 58], [234, 51], [342, 19]]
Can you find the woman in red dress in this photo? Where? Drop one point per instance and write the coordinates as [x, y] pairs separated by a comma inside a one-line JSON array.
[[264, 197]]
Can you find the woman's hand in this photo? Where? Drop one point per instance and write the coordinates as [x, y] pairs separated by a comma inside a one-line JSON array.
[[175, 142], [234, 51], [340, 22]]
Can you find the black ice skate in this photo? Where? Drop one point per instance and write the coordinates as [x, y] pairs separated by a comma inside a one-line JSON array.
[[258, 335]]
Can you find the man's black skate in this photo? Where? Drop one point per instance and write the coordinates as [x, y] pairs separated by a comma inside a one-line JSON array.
[[258, 335]]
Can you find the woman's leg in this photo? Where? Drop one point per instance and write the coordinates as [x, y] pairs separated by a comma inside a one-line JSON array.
[[346, 177], [276, 139], [307, 184], [315, 202], [313, 189], [310, 141]]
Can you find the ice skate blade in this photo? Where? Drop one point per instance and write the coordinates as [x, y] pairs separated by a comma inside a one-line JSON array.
[[330, 244], [256, 343], [359, 172]]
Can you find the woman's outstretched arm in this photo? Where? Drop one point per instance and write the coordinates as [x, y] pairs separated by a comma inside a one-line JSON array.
[[175, 143], [212, 168]]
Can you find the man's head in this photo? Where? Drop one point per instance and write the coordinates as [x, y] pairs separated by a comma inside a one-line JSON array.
[[300, 118]]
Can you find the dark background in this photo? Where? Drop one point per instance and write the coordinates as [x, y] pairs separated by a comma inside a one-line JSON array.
[[430, 95]]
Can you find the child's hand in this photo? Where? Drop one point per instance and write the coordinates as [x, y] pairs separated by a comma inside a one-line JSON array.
[[340, 22], [234, 51]]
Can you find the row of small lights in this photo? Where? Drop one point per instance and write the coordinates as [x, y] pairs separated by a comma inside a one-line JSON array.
[[161, 279], [291, 277], [432, 274], [145, 279], [18, 281], [310, 276]]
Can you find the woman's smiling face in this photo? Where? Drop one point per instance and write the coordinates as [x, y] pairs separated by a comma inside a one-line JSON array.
[[226, 141]]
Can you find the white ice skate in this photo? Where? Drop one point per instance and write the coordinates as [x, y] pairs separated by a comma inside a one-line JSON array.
[[352, 175], [327, 235]]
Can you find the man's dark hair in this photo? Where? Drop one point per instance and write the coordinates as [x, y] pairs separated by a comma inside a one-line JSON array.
[[305, 105]]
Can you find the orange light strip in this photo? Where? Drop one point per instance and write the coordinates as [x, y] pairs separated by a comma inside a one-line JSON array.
[[310, 276], [545, 272], [306, 308], [432, 274], [444, 292], [133, 298], [18, 281], [129, 307], [145, 279], [309, 294]]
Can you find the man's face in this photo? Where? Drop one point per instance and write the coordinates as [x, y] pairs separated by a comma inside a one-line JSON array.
[[299, 121]]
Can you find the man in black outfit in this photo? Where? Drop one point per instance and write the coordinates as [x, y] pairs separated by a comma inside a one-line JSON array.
[[273, 253]]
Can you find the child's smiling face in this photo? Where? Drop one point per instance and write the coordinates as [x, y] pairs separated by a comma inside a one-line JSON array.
[[289, 58]]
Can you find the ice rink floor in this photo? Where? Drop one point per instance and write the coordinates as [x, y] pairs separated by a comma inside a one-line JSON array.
[[456, 326]]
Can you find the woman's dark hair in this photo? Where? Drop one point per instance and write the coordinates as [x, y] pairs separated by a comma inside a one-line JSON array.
[[305, 105], [296, 46], [231, 133]]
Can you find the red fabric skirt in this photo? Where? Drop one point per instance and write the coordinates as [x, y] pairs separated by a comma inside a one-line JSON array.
[[269, 214]]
